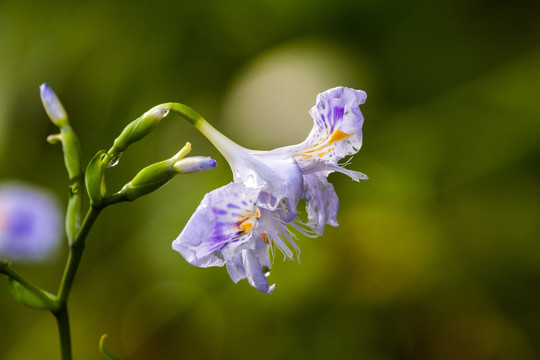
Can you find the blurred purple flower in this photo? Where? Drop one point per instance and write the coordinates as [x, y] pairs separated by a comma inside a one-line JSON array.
[[30, 223], [238, 224]]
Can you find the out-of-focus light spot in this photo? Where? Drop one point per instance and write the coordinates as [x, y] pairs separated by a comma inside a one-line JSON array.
[[267, 104]]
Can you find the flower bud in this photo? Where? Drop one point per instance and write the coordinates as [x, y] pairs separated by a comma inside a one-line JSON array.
[[72, 152], [94, 179], [194, 164], [149, 179], [53, 106], [139, 128], [156, 175]]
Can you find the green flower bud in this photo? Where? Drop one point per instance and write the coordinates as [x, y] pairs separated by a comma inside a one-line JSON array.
[[72, 152], [73, 212], [70, 142], [94, 179], [139, 128], [156, 175], [149, 179]]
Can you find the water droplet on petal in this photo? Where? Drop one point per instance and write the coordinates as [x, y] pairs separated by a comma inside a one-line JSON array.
[[115, 159], [166, 112], [250, 181]]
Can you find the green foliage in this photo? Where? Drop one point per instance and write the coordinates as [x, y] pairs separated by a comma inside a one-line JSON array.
[[41, 301]]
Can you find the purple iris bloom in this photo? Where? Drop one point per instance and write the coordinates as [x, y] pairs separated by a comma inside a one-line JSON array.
[[241, 224]]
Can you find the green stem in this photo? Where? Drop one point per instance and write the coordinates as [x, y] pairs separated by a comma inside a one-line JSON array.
[[188, 113], [114, 199], [74, 258], [62, 321], [75, 253], [223, 144]]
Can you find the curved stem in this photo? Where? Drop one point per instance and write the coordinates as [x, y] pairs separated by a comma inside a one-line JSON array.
[[222, 143], [186, 112]]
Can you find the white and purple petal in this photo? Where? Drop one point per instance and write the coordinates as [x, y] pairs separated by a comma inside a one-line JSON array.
[[275, 231], [247, 265], [337, 129], [322, 203], [276, 173], [223, 220]]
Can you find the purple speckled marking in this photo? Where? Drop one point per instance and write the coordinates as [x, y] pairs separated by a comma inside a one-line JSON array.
[[233, 206], [219, 211]]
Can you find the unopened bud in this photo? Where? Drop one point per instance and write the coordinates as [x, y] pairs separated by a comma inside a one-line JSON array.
[[149, 179], [139, 128], [194, 164], [156, 175], [72, 152], [94, 179], [53, 106]]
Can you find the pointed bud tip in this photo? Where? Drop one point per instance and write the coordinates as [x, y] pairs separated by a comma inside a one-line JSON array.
[[194, 164], [157, 112], [53, 106]]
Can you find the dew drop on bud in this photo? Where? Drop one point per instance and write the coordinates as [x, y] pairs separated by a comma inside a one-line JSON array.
[[115, 159]]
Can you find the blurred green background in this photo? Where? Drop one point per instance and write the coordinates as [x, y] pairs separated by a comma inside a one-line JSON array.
[[437, 255]]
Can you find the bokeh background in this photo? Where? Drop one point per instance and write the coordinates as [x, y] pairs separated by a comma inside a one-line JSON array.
[[437, 255]]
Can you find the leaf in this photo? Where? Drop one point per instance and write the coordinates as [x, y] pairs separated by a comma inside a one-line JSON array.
[[29, 298]]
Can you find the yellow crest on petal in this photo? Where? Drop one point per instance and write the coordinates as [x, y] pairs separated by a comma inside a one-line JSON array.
[[338, 135]]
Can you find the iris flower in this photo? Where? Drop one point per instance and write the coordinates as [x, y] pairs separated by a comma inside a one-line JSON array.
[[240, 224]]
